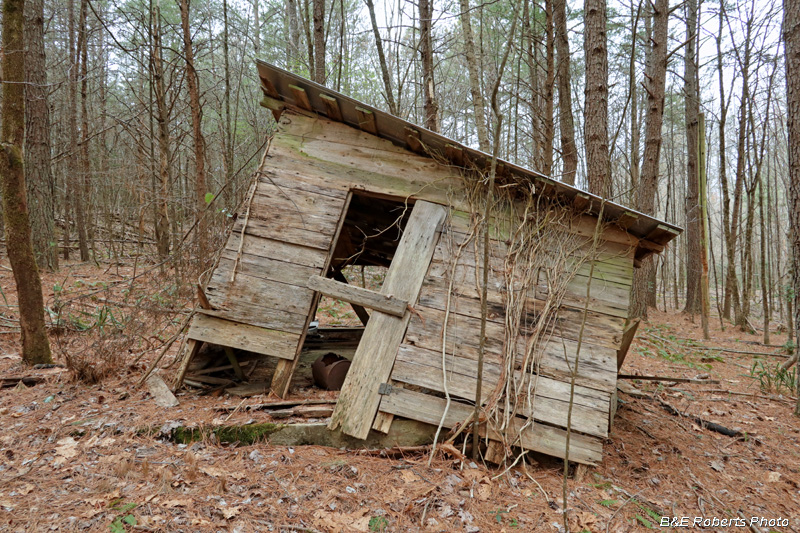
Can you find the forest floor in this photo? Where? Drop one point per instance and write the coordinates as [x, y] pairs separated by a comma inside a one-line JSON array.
[[73, 456]]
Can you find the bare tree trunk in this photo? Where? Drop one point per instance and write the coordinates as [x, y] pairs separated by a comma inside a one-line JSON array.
[[35, 345], [85, 183], [319, 41], [598, 166], [791, 32], [692, 109], [256, 28], [655, 82], [723, 174], [478, 105], [292, 34], [732, 283], [164, 156], [387, 79], [192, 86], [569, 153], [549, 85], [763, 266], [430, 105], [634, 165], [703, 201], [38, 172]]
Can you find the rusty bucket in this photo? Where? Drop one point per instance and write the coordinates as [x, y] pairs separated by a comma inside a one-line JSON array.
[[329, 371]]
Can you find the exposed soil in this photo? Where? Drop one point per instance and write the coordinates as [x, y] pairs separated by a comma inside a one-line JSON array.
[[75, 457]]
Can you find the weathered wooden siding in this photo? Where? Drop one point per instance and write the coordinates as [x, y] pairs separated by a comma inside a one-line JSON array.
[[297, 208], [265, 307]]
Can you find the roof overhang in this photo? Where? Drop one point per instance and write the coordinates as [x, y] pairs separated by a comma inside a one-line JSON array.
[[284, 89]]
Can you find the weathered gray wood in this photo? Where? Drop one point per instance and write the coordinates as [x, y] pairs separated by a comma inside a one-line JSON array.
[[189, 351], [420, 367], [282, 377], [278, 250], [364, 297], [538, 437], [161, 393], [243, 336], [372, 364]]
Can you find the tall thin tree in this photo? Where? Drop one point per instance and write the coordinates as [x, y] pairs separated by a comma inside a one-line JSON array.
[[655, 82], [569, 153]]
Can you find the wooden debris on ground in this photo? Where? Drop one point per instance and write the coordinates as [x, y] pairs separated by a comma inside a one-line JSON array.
[[160, 392], [13, 381]]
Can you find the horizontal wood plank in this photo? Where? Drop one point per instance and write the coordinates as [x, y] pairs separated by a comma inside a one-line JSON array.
[[537, 437], [550, 398], [242, 336], [357, 295]]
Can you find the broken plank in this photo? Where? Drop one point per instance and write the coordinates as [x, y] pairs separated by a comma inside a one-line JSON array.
[[251, 389], [374, 358], [160, 392], [245, 337], [304, 411], [356, 295]]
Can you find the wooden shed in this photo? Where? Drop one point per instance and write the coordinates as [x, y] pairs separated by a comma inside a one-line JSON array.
[[342, 183]]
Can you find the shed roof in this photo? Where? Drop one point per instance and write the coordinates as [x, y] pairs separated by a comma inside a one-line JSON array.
[[301, 93]]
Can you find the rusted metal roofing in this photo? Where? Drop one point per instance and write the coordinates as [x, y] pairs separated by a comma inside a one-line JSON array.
[[296, 91]]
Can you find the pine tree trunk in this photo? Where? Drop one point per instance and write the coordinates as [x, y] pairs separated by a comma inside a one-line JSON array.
[[387, 79], [430, 106], [319, 41], [644, 277], [692, 109], [569, 153], [35, 345], [38, 172], [598, 166], [164, 156], [791, 29], [478, 105], [549, 85], [85, 233], [192, 85], [292, 34]]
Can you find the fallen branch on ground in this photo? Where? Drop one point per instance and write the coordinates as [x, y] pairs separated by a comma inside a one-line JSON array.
[[699, 421], [667, 378]]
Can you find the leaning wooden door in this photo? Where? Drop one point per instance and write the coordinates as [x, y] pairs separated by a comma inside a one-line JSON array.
[[375, 355]]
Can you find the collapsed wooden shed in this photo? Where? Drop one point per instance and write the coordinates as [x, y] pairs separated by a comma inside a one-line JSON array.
[[343, 183]]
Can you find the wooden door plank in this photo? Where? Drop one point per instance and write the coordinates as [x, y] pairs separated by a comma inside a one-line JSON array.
[[357, 295], [375, 355]]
